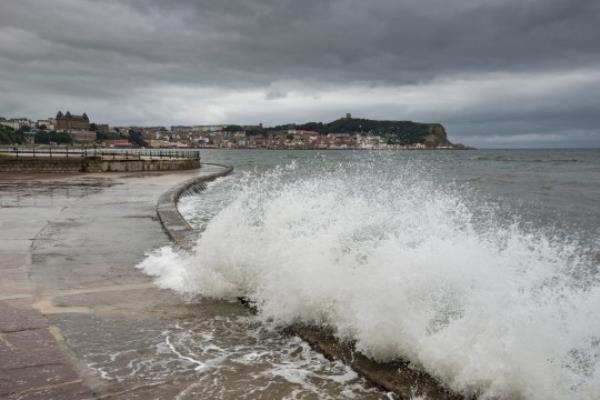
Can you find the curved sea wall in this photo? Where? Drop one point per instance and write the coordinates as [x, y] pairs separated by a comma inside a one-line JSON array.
[[178, 229], [397, 377], [95, 164]]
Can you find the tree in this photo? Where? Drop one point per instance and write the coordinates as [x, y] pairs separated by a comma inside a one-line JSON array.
[[137, 139], [53, 137], [233, 128], [100, 136], [9, 136]]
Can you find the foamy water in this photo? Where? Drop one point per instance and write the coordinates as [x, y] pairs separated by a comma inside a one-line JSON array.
[[408, 268]]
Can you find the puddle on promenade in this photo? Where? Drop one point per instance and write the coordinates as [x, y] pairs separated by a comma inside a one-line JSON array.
[[212, 351]]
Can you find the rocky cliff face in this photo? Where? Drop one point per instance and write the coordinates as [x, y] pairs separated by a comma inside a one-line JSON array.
[[436, 136]]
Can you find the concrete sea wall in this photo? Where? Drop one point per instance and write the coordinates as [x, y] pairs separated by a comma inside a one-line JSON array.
[[398, 377], [94, 164], [178, 229], [40, 165]]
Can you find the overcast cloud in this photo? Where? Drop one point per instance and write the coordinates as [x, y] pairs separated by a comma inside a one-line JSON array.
[[496, 73]]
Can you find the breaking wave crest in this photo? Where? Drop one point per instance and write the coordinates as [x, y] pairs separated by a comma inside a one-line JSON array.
[[407, 268]]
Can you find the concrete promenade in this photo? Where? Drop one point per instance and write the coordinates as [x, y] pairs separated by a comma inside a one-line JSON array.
[[77, 320]]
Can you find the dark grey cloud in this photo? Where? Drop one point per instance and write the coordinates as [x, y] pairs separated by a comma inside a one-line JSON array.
[[185, 61]]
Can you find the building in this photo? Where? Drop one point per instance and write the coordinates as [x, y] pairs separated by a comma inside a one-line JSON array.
[[181, 128], [68, 122], [103, 128], [158, 144], [118, 143], [48, 123], [16, 123]]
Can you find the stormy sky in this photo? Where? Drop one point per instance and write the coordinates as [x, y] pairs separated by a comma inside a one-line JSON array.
[[496, 73]]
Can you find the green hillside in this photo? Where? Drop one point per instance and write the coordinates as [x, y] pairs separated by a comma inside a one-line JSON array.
[[394, 132]]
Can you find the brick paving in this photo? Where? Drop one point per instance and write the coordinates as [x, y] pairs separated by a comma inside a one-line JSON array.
[[32, 364]]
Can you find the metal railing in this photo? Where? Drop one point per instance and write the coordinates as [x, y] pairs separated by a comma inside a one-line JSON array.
[[103, 153]]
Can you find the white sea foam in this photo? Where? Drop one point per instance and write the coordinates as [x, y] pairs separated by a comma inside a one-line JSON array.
[[408, 269]]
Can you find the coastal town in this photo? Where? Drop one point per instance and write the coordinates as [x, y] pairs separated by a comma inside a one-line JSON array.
[[67, 128]]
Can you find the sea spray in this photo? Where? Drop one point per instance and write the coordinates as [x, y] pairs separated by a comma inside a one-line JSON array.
[[408, 267]]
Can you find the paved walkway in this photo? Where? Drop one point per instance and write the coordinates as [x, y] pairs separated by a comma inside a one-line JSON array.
[[69, 297]]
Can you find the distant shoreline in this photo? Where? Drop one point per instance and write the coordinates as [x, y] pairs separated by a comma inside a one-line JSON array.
[[354, 149], [80, 146]]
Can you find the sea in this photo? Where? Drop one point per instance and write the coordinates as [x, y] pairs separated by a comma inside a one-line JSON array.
[[479, 267]]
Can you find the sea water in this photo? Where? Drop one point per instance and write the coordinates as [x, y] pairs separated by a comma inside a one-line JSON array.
[[478, 267]]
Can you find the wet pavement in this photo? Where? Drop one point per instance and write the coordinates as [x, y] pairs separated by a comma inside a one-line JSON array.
[[68, 246], [78, 321]]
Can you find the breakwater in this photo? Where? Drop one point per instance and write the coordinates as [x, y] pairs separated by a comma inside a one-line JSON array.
[[97, 160], [94, 164]]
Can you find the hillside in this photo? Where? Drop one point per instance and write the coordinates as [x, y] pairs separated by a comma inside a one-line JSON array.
[[394, 132]]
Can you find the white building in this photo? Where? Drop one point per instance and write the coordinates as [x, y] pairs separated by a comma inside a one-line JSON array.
[[16, 123], [48, 123]]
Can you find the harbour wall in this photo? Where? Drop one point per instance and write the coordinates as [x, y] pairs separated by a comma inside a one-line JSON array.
[[94, 164]]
